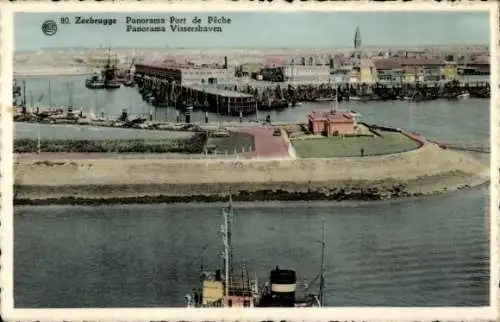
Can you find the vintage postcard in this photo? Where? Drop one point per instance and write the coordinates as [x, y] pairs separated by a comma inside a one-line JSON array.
[[313, 162]]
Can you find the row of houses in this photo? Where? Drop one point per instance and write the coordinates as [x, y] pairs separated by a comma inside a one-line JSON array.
[[364, 70], [393, 70], [410, 70], [400, 67]]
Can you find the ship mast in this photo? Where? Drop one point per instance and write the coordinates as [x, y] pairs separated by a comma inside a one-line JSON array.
[[322, 273], [337, 98], [24, 94], [69, 85], [38, 143], [50, 96], [227, 241]]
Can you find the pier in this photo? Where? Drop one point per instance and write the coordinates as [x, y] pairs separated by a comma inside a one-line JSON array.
[[174, 86], [222, 101], [218, 90]]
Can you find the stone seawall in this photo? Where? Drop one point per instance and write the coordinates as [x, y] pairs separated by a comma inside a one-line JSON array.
[[425, 170]]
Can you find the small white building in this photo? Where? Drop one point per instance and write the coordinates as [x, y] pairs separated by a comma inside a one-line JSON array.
[[207, 75], [305, 73]]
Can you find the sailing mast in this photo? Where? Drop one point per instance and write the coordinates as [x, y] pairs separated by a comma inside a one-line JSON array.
[[31, 101], [322, 273], [38, 143], [24, 94], [96, 106], [50, 96], [69, 86], [227, 213], [230, 234], [337, 99]]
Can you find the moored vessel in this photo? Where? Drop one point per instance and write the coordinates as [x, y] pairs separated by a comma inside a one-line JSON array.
[[285, 290], [112, 85], [110, 75], [226, 287], [94, 82]]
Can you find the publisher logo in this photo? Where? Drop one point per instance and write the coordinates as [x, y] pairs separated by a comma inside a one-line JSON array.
[[49, 27]]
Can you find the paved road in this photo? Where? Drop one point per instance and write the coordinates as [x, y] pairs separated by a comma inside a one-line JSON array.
[[267, 145]]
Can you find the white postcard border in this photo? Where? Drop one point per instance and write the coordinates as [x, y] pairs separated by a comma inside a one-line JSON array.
[[8, 312]]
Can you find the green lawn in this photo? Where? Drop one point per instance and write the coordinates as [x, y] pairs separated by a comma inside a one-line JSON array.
[[234, 141], [390, 142]]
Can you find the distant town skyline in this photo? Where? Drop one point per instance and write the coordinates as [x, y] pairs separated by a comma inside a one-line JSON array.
[[264, 30]]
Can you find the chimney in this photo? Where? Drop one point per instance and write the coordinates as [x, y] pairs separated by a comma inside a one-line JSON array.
[[225, 62]]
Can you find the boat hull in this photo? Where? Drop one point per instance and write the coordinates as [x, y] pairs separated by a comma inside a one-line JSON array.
[[95, 85], [112, 86]]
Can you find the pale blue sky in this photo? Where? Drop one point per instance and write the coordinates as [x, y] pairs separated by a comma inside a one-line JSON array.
[[271, 29]]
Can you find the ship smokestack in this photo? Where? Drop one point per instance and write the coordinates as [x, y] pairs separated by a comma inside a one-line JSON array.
[[283, 285]]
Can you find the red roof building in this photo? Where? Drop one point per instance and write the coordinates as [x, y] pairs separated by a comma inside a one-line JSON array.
[[332, 122], [387, 64]]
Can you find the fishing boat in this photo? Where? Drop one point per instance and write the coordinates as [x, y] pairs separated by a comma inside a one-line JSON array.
[[325, 99], [16, 89], [226, 287], [284, 290], [112, 84], [129, 82], [110, 75], [94, 82], [456, 96], [294, 104]]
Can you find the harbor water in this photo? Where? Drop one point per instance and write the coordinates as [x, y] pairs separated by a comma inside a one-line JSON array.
[[424, 252], [431, 251]]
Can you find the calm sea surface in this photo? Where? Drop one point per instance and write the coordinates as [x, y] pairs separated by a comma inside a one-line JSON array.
[[421, 252], [431, 252]]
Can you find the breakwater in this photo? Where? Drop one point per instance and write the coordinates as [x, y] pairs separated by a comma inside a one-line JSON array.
[[423, 171]]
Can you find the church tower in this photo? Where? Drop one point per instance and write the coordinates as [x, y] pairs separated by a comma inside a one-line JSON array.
[[357, 39]]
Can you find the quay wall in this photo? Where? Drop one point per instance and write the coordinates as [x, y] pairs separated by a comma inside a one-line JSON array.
[[426, 170]]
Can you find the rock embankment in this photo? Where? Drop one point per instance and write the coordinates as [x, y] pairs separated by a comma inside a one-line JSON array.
[[423, 171]]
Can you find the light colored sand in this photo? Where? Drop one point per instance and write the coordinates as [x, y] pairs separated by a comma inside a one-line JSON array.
[[59, 59], [426, 170], [50, 71]]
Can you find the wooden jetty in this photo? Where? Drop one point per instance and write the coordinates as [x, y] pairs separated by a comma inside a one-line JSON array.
[[222, 101], [189, 85]]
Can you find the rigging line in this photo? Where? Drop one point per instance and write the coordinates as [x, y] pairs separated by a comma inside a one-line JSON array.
[[203, 249]]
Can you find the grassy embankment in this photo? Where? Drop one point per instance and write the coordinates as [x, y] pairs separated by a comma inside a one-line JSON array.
[[194, 144], [327, 147], [236, 141]]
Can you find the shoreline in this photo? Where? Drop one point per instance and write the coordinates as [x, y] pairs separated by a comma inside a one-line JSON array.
[[71, 71], [365, 194], [426, 171], [269, 203]]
